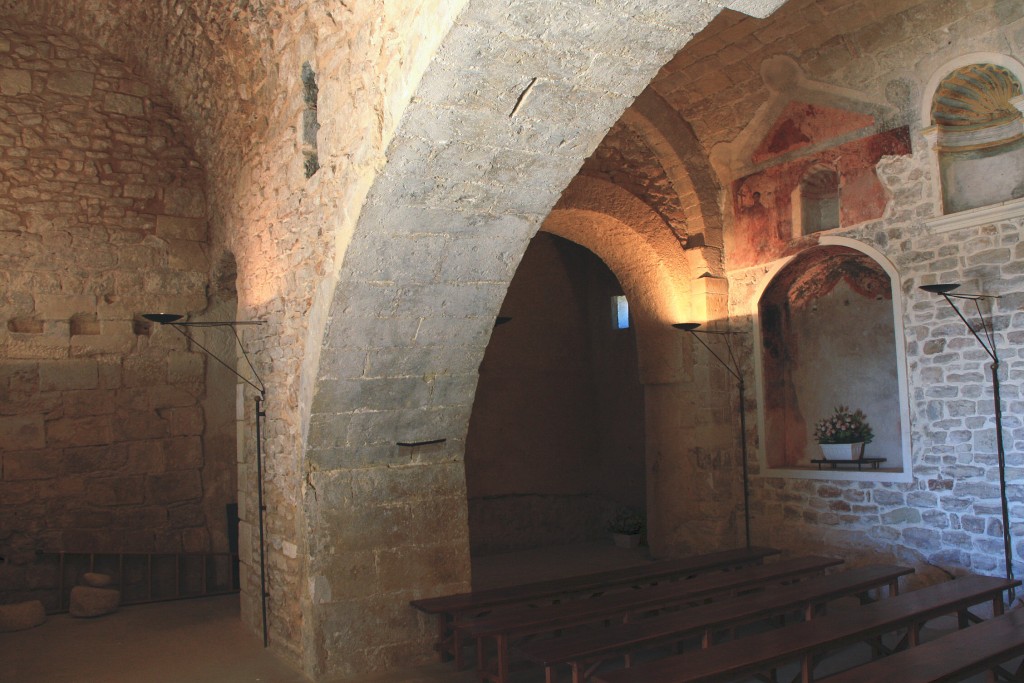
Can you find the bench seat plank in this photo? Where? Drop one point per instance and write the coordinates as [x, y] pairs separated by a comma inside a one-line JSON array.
[[503, 627], [952, 657], [554, 617], [649, 572], [448, 608], [579, 650], [801, 641]]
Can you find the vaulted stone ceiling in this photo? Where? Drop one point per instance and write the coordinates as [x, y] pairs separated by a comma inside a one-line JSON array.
[[211, 57]]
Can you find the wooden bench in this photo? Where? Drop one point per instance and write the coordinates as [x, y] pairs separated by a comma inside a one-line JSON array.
[[583, 652], [801, 642], [448, 608], [503, 627], [952, 657]]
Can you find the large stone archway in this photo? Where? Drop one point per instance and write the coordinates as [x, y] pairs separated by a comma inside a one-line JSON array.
[[502, 120]]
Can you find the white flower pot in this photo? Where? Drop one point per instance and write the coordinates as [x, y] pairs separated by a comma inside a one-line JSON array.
[[842, 451]]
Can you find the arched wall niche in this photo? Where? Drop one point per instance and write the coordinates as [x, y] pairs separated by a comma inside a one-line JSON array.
[[828, 331], [816, 204], [971, 116]]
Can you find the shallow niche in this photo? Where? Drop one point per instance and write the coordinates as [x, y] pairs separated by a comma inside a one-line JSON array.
[[828, 338], [979, 130]]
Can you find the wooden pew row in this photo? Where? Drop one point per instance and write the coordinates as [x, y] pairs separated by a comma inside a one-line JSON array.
[[953, 657], [802, 642], [501, 629], [448, 608], [581, 653]]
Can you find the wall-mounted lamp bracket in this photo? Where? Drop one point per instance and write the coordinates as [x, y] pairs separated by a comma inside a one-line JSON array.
[[988, 342], [175, 321]]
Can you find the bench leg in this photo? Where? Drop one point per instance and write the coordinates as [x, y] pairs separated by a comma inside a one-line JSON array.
[[481, 656], [500, 672], [444, 635], [456, 641], [807, 669], [502, 658]]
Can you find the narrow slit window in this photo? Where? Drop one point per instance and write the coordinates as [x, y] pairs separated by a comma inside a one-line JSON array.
[[620, 312], [310, 123]]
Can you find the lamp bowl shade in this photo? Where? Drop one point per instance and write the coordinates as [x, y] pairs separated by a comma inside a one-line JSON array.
[[162, 318], [940, 288]]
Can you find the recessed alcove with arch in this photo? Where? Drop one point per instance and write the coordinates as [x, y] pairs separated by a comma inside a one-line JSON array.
[[816, 204], [556, 436], [973, 121], [828, 332]]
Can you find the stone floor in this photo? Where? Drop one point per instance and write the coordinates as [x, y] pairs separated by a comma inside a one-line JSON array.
[[203, 641]]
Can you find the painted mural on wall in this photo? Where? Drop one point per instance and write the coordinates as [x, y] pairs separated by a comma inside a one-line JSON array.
[[774, 208]]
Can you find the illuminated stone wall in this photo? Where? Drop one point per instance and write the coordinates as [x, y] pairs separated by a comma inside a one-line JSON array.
[[102, 216]]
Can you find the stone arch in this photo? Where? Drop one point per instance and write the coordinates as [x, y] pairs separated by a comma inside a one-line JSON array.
[[501, 122], [642, 252], [687, 166]]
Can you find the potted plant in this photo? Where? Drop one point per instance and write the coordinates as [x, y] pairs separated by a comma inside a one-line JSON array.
[[842, 434], [627, 527]]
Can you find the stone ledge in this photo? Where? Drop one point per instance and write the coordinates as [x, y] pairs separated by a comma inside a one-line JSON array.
[[1007, 210]]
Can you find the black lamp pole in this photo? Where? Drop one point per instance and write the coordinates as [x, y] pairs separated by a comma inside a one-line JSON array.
[[174, 320], [988, 342], [734, 370]]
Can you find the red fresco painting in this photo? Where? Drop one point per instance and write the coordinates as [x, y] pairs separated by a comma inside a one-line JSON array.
[[801, 125], [762, 202]]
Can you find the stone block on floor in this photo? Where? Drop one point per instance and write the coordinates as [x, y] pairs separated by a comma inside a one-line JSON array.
[[87, 601], [21, 616], [97, 580]]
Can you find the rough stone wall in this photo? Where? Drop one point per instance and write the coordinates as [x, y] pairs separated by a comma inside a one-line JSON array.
[[949, 515], [102, 216], [233, 71]]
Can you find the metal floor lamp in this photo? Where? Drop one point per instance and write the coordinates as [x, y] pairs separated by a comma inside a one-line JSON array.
[[734, 370], [988, 342], [174, 320]]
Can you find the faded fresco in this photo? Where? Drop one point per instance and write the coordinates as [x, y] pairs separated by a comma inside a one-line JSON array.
[[763, 211]]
